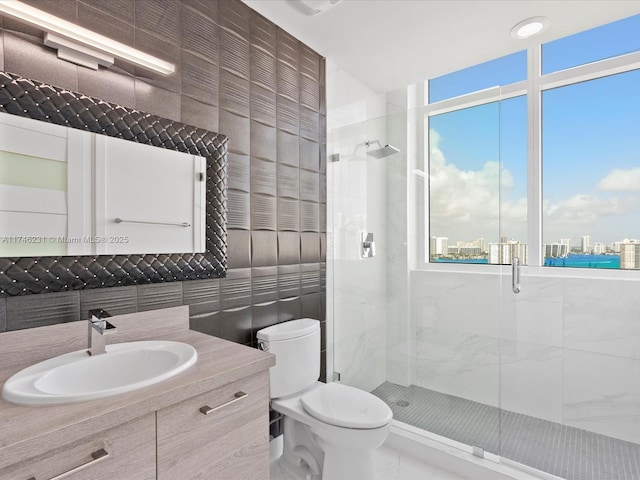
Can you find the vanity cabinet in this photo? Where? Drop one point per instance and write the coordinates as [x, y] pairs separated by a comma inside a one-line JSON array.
[[209, 422], [221, 434], [127, 451]]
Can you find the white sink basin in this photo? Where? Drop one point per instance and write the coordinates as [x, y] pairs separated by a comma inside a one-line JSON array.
[[76, 376]]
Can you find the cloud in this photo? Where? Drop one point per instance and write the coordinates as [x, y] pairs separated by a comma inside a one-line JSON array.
[[585, 210], [465, 204], [601, 217], [618, 180]]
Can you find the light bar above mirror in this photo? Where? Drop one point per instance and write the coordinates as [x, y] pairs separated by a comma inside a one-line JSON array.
[[77, 34]]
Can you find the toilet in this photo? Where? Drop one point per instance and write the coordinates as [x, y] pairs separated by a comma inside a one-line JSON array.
[[330, 430]]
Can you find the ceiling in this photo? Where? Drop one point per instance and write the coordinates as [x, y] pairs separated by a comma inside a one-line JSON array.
[[389, 44]]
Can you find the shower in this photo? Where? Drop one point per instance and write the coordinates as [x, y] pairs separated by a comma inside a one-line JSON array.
[[381, 152]]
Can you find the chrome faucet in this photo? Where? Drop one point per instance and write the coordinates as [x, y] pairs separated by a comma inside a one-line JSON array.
[[98, 328]]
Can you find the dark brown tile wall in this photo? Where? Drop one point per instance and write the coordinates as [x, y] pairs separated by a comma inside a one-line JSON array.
[[237, 74]]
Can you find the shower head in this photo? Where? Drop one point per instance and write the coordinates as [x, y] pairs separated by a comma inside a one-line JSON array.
[[382, 151]]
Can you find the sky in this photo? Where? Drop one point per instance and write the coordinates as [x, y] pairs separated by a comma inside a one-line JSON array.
[[591, 149]]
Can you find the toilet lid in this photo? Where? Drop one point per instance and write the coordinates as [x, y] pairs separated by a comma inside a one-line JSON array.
[[345, 406]]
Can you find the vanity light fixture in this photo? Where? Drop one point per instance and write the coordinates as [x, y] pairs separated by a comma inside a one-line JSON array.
[[77, 53], [530, 27], [80, 45]]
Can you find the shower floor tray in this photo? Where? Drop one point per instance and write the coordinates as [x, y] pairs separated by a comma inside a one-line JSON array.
[[561, 450]]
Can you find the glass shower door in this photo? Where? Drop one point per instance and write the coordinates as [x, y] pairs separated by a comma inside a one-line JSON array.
[[456, 299], [357, 216], [425, 341]]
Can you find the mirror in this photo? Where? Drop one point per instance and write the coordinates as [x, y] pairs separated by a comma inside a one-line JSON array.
[[68, 192], [111, 235]]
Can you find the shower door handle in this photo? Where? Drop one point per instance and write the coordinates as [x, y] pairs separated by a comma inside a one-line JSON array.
[[515, 275]]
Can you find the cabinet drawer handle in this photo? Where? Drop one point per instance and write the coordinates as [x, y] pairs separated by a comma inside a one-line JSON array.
[[206, 410], [96, 457]]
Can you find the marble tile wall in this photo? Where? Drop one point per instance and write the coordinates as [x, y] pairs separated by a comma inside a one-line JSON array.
[[457, 334], [564, 350], [601, 362]]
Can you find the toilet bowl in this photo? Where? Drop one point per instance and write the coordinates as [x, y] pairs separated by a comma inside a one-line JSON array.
[[330, 430], [333, 436]]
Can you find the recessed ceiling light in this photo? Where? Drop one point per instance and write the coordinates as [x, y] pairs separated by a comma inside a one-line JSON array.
[[312, 7], [530, 27]]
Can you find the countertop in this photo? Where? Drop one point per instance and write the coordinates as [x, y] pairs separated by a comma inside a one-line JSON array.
[[26, 431]]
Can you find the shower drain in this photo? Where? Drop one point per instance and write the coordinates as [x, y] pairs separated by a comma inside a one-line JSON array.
[[402, 403]]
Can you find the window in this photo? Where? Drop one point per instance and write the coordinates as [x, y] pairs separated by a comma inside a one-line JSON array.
[[464, 184], [477, 183], [591, 172], [584, 189], [501, 71], [607, 41]]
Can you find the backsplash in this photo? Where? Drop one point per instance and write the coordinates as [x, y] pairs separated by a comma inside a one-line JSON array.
[[239, 75]]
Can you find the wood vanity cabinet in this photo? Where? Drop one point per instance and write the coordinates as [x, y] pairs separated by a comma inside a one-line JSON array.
[[222, 434], [124, 452], [210, 422], [219, 435]]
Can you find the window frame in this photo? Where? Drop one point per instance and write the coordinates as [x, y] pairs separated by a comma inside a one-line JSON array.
[[532, 87]]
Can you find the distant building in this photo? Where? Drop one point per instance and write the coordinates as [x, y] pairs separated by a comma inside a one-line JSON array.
[[556, 250], [599, 249], [586, 244], [630, 254], [502, 253], [439, 246], [470, 251]]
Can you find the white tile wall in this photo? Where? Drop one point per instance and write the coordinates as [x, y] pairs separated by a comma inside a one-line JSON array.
[[350, 100], [602, 394], [531, 380], [564, 349], [602, 316], [458, 302], [457, 363], [535, 315]]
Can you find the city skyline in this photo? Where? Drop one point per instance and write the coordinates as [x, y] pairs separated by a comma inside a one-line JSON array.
[[480, 245], [622, 254]]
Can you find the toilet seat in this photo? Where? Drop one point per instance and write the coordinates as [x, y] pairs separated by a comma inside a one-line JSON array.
[[348, 407]]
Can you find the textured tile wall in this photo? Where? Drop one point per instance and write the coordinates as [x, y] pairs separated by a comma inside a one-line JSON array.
[[237, 74]]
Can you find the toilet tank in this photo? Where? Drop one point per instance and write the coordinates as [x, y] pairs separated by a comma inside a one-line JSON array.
[[296, 345]]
